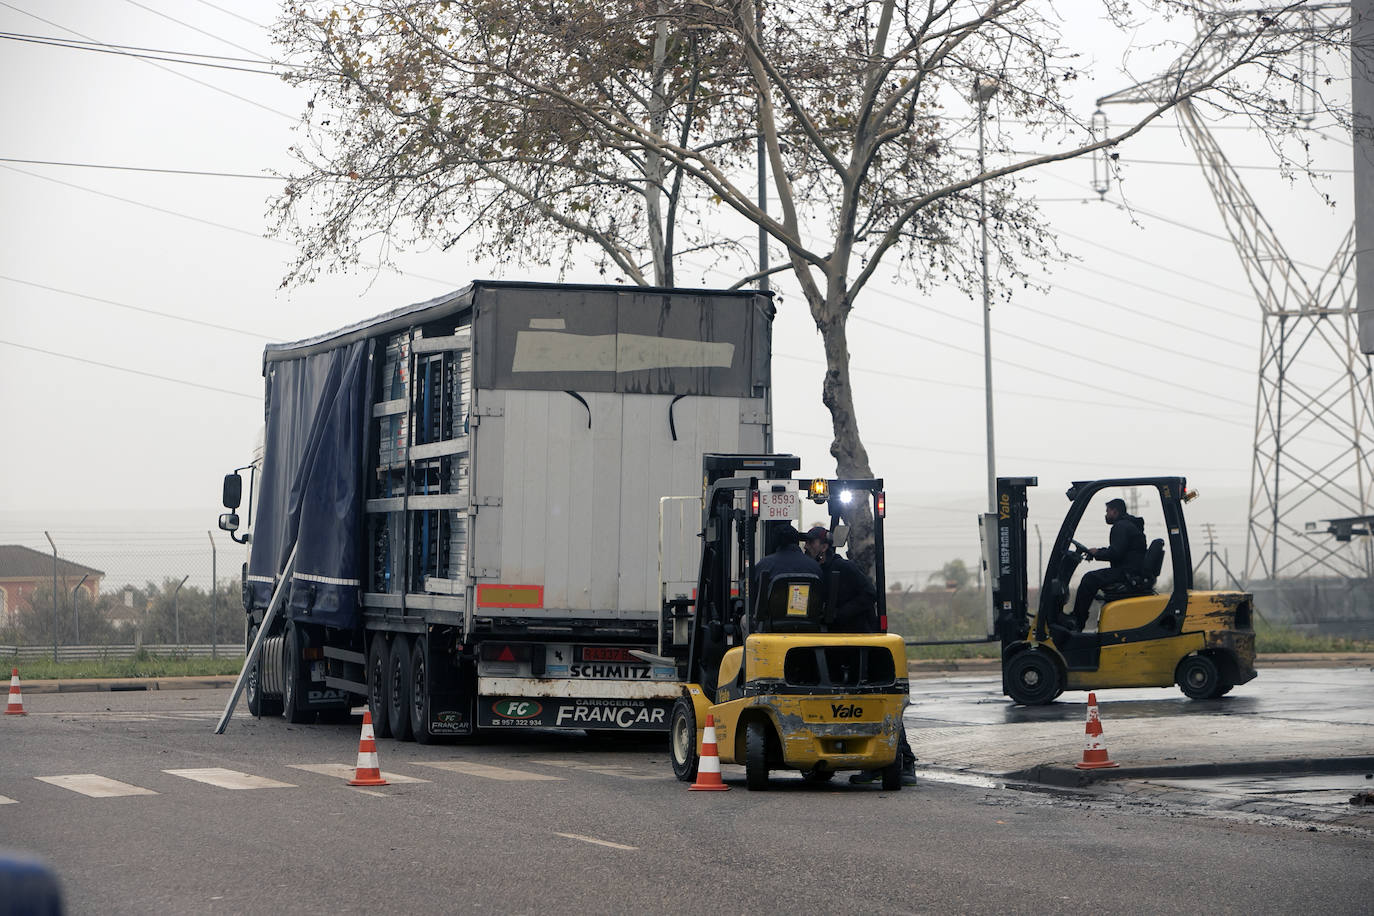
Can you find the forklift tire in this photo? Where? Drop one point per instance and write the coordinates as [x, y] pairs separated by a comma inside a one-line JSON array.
[[1199, 678], [1033, 678], [682, 740], [378, 686], [892, 775], [398, 687], [756, 754]]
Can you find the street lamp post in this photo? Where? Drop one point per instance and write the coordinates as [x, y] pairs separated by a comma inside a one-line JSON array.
[[54, 596], [984, 88]]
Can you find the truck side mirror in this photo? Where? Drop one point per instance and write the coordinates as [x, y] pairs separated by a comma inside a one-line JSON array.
[[233, 495]]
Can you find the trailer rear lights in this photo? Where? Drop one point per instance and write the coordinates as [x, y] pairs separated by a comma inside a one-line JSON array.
[[880, 504], [505, 652]]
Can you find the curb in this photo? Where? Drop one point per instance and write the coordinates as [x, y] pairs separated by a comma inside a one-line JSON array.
[[93, 685], [1065, 776]]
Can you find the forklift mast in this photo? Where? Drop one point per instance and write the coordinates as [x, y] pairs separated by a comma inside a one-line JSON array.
[[1005, 562]]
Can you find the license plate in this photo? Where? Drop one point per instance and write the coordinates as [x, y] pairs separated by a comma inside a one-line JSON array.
[[779, 501]]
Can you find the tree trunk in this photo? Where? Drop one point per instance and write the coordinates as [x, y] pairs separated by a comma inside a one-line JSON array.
[[851, 458]]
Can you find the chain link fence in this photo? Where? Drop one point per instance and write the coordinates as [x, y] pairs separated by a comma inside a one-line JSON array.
[[167, 591]]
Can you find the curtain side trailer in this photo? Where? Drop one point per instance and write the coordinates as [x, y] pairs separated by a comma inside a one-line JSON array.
[[459, 502]]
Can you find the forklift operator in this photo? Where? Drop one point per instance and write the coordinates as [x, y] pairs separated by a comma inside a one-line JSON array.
[[1126, 553], [786, 558]]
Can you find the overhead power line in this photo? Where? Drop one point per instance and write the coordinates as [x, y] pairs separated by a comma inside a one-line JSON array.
[[147, 311], [168, 57], [142, 168], [154, 375]]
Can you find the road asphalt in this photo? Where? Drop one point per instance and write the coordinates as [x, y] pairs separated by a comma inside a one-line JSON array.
[[1213, 745]]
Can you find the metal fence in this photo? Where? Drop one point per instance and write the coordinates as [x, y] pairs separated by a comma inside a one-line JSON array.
[[100, 653]]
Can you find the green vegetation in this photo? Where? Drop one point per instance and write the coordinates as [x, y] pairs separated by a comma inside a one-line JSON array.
[[142, 666], [1270, 639]]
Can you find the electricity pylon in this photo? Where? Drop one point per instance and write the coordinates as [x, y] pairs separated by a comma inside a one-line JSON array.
[[1314, 408]]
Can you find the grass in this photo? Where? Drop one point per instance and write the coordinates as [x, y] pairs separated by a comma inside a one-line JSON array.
[[1279, 640], [145, 666]]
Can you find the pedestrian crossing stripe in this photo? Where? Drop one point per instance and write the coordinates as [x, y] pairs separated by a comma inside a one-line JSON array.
[[490, 772], [344, 771], [229, 779], [94, 786], [604, 769]]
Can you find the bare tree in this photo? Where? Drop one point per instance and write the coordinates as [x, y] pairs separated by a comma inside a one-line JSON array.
[[528, 127]]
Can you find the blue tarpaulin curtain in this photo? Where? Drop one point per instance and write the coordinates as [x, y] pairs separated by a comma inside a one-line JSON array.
[[311, 488]]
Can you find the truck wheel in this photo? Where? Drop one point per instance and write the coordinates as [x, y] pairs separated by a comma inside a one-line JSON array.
[[1032, 678], [419, 692], [756, 754], [258, 704], [292, 708], [682, 740], [1199, 678], [378, 696], [398, 687]]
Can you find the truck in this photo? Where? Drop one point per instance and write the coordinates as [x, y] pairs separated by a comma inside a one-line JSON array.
[[455, 512]]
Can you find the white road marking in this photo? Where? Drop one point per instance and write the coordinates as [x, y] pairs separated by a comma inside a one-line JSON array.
[[592, 839], [94, 786], [489, 772], [370, 792], [605, 769], [7, 801], [961, 779], [344, 771], [229, 779]]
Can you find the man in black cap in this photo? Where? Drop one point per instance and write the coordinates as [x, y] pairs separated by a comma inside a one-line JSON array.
[[855, 597], [856, 611], [786, 558], [1126, 552]]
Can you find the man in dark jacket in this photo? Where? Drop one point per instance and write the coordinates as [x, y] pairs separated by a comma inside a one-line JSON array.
[[854, 595], [856, 611], [1126, 552], [786, 558]]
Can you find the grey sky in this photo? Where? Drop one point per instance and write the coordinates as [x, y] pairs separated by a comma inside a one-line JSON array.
[[134, 305]]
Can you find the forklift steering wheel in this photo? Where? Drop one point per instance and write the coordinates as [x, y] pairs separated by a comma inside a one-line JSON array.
[[1082, 548]]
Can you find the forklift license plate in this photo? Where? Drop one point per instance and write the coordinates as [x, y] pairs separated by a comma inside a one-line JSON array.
[[779, 505]]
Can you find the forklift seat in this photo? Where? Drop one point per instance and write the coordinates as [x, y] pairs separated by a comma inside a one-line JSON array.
[[1138, 586], [791, 602]]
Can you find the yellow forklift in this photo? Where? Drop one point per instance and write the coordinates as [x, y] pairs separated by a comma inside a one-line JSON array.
[[784, 692], [1204, 641]]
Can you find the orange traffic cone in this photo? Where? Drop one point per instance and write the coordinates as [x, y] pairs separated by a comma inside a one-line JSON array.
[[16, 707], [708, 769], [367, 773], [1095, 749]]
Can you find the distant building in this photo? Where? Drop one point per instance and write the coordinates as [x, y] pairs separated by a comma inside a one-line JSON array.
[[23, 570]]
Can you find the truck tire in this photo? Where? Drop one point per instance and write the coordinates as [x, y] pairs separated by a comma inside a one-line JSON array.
[[682, 740], [1032, 678], [419, 692], [296, 712], [398, 687], [756, 754], [378, 696], [1199, 678], [258, 704]]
